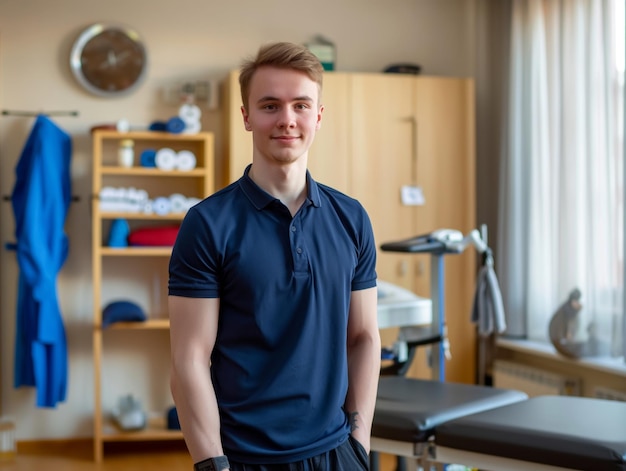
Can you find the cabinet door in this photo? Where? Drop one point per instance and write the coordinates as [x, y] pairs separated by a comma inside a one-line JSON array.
[[383, 160], [237, 141], [444, 111], [329, 156]]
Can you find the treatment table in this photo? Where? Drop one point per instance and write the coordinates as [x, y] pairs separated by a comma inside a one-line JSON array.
[[432, 422], [408, 410]]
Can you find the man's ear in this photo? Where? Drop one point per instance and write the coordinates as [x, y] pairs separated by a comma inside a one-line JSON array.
[[245, 116], [319, 118]]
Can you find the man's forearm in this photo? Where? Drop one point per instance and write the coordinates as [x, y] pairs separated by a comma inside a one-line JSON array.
[[363, 374], [198, 413]]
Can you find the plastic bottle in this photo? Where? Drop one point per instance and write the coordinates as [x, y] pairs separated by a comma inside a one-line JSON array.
[[126, 153]]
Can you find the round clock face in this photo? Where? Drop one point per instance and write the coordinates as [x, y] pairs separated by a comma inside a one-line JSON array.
[[109, 59]]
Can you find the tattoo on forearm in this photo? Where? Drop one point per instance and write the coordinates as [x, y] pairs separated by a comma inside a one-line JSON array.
[[352, 419]]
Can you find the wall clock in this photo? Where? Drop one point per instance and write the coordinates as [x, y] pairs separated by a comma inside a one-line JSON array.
[[109, 59]]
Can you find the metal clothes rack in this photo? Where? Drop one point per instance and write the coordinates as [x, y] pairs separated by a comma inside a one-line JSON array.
[[74, 199], [36, 113]]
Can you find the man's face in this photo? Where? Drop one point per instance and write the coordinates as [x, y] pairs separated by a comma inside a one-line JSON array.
[[283, 115]]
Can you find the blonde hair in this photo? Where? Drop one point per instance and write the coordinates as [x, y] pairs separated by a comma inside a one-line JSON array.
[[283, 55]]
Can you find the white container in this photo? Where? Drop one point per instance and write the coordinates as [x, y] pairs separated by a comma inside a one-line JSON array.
[[8, 449], [126, 153]]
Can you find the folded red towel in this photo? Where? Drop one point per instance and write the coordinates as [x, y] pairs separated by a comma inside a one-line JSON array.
[[154, 236]]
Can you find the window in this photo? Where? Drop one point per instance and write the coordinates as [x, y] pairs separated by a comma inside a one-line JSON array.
[[562, 206]]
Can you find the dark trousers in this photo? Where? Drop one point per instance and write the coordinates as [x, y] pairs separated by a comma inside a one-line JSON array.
[[349, 456]]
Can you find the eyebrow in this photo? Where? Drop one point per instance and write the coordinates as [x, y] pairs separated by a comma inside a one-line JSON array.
[[271, 98]]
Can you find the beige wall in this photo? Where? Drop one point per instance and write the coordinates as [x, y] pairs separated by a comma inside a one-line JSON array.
[[186, 39]]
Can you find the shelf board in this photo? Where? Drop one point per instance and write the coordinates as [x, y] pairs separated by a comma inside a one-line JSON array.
[[151, 172], [123, 215], [606, 364], [155, 430], [153, 135], [141, 325], [135, 251]]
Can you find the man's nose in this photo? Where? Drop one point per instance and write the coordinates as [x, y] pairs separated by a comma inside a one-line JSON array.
[[287, 118]]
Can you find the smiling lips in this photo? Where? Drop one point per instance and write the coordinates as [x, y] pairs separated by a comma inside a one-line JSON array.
[[285, 138]]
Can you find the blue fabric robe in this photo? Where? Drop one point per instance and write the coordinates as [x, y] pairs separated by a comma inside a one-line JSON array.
[[40, 199]]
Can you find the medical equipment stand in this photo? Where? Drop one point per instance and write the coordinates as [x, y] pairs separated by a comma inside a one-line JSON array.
[[438, 249]]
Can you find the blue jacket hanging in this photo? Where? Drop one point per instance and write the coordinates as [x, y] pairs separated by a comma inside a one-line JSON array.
[[40, 199]]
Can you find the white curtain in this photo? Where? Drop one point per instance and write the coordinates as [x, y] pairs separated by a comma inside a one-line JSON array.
[[561, 197]]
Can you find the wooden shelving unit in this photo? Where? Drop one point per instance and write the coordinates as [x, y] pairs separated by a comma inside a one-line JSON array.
[[196, 183]]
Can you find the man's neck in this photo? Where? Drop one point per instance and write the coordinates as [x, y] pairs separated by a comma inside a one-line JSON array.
[[286, 183]]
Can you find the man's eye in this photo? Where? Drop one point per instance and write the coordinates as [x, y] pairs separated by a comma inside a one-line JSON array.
[[269, 107], [302, 106]]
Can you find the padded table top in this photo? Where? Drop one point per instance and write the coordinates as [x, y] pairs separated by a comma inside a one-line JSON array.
[[409, 409], [571, 432]]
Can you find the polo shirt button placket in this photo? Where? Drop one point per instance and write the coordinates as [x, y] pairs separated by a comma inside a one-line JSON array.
[[300, 264]]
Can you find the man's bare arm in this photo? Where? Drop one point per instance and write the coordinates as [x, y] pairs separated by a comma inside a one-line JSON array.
[[193, 330], [363, 363]]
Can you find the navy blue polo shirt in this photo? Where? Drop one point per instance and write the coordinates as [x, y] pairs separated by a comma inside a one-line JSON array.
[[279, 364]]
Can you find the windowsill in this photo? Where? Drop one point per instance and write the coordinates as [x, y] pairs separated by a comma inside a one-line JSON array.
[[615, 366]]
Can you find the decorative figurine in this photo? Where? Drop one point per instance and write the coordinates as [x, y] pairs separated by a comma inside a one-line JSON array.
[[564, 327]]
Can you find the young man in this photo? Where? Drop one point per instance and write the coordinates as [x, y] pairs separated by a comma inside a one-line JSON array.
[[273, 304]]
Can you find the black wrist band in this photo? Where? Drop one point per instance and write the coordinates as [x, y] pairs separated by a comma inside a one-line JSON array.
[[217, 463]]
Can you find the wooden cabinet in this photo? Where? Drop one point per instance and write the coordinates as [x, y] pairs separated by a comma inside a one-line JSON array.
[[446, 171], [133, 357], [381, 132], [383, 159]]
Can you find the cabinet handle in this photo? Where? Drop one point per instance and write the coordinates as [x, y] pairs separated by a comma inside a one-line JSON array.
[[413, 121], [414, 136]]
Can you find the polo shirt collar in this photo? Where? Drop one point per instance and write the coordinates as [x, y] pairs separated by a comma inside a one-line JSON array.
[[261, 199]]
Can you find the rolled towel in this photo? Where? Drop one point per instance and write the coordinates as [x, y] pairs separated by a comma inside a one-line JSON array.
[[108, 195], [161, 205], [148, 158], [185, 160], [158, 126], [165, 159], [191, 201], [126, 202], [113, 199], [192, 127], [148, 208], [136, 199], [189, 113], [176, 125], [178, 203]]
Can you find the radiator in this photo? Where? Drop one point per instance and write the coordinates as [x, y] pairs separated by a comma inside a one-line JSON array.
[[534, 381]]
